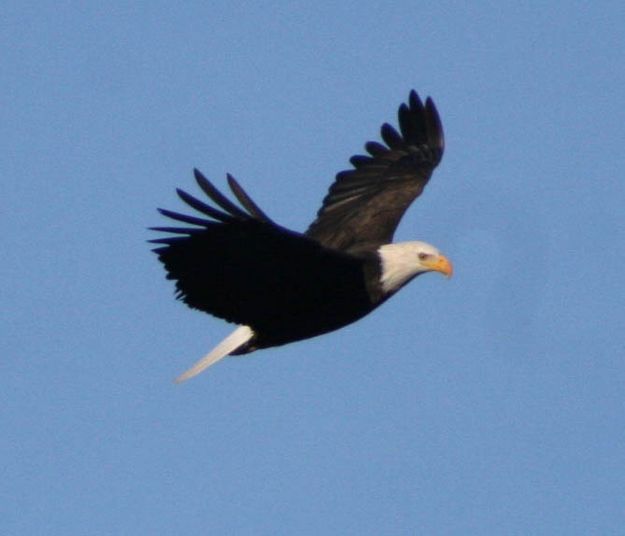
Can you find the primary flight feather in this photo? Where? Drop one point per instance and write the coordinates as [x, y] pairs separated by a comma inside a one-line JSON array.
[[281, 286]]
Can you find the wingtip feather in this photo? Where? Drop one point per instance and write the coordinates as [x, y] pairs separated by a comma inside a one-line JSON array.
[[436, 136]]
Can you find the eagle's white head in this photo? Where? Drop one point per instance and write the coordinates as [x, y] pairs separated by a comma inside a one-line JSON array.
[[405, 260]]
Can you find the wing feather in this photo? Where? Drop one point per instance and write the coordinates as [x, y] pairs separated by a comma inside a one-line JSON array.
[[364, 205], [391, 137], [246, 200], [214, 194], [375, 149], [183, 217], [202, 207]]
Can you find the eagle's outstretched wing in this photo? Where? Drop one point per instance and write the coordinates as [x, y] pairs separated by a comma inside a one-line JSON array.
[[238, 264], [365, 204]]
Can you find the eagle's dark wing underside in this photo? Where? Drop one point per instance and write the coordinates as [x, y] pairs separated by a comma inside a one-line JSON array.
[[242, 267], [365, 204]]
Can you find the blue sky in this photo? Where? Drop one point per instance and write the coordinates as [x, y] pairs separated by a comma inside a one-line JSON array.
[[493, 403]]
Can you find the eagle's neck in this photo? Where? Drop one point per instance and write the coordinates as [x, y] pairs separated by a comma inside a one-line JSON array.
[[399, 264]]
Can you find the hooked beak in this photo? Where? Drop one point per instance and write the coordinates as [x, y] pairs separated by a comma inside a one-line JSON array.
[[440, 264]]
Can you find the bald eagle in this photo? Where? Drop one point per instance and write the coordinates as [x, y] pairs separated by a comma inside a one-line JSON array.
[[282, 286]]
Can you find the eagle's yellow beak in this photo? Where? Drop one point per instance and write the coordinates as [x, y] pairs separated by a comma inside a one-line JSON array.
[[440, 264]]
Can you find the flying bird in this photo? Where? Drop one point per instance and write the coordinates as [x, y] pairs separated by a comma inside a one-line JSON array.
[[281, 286]]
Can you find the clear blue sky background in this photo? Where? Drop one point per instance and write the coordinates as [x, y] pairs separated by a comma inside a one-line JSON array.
[[493, 403]]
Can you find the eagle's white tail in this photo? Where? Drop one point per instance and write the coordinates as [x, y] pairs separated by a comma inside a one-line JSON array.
[[233, 341]]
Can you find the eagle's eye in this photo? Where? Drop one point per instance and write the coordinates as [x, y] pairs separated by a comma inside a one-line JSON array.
[[423, 256]]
